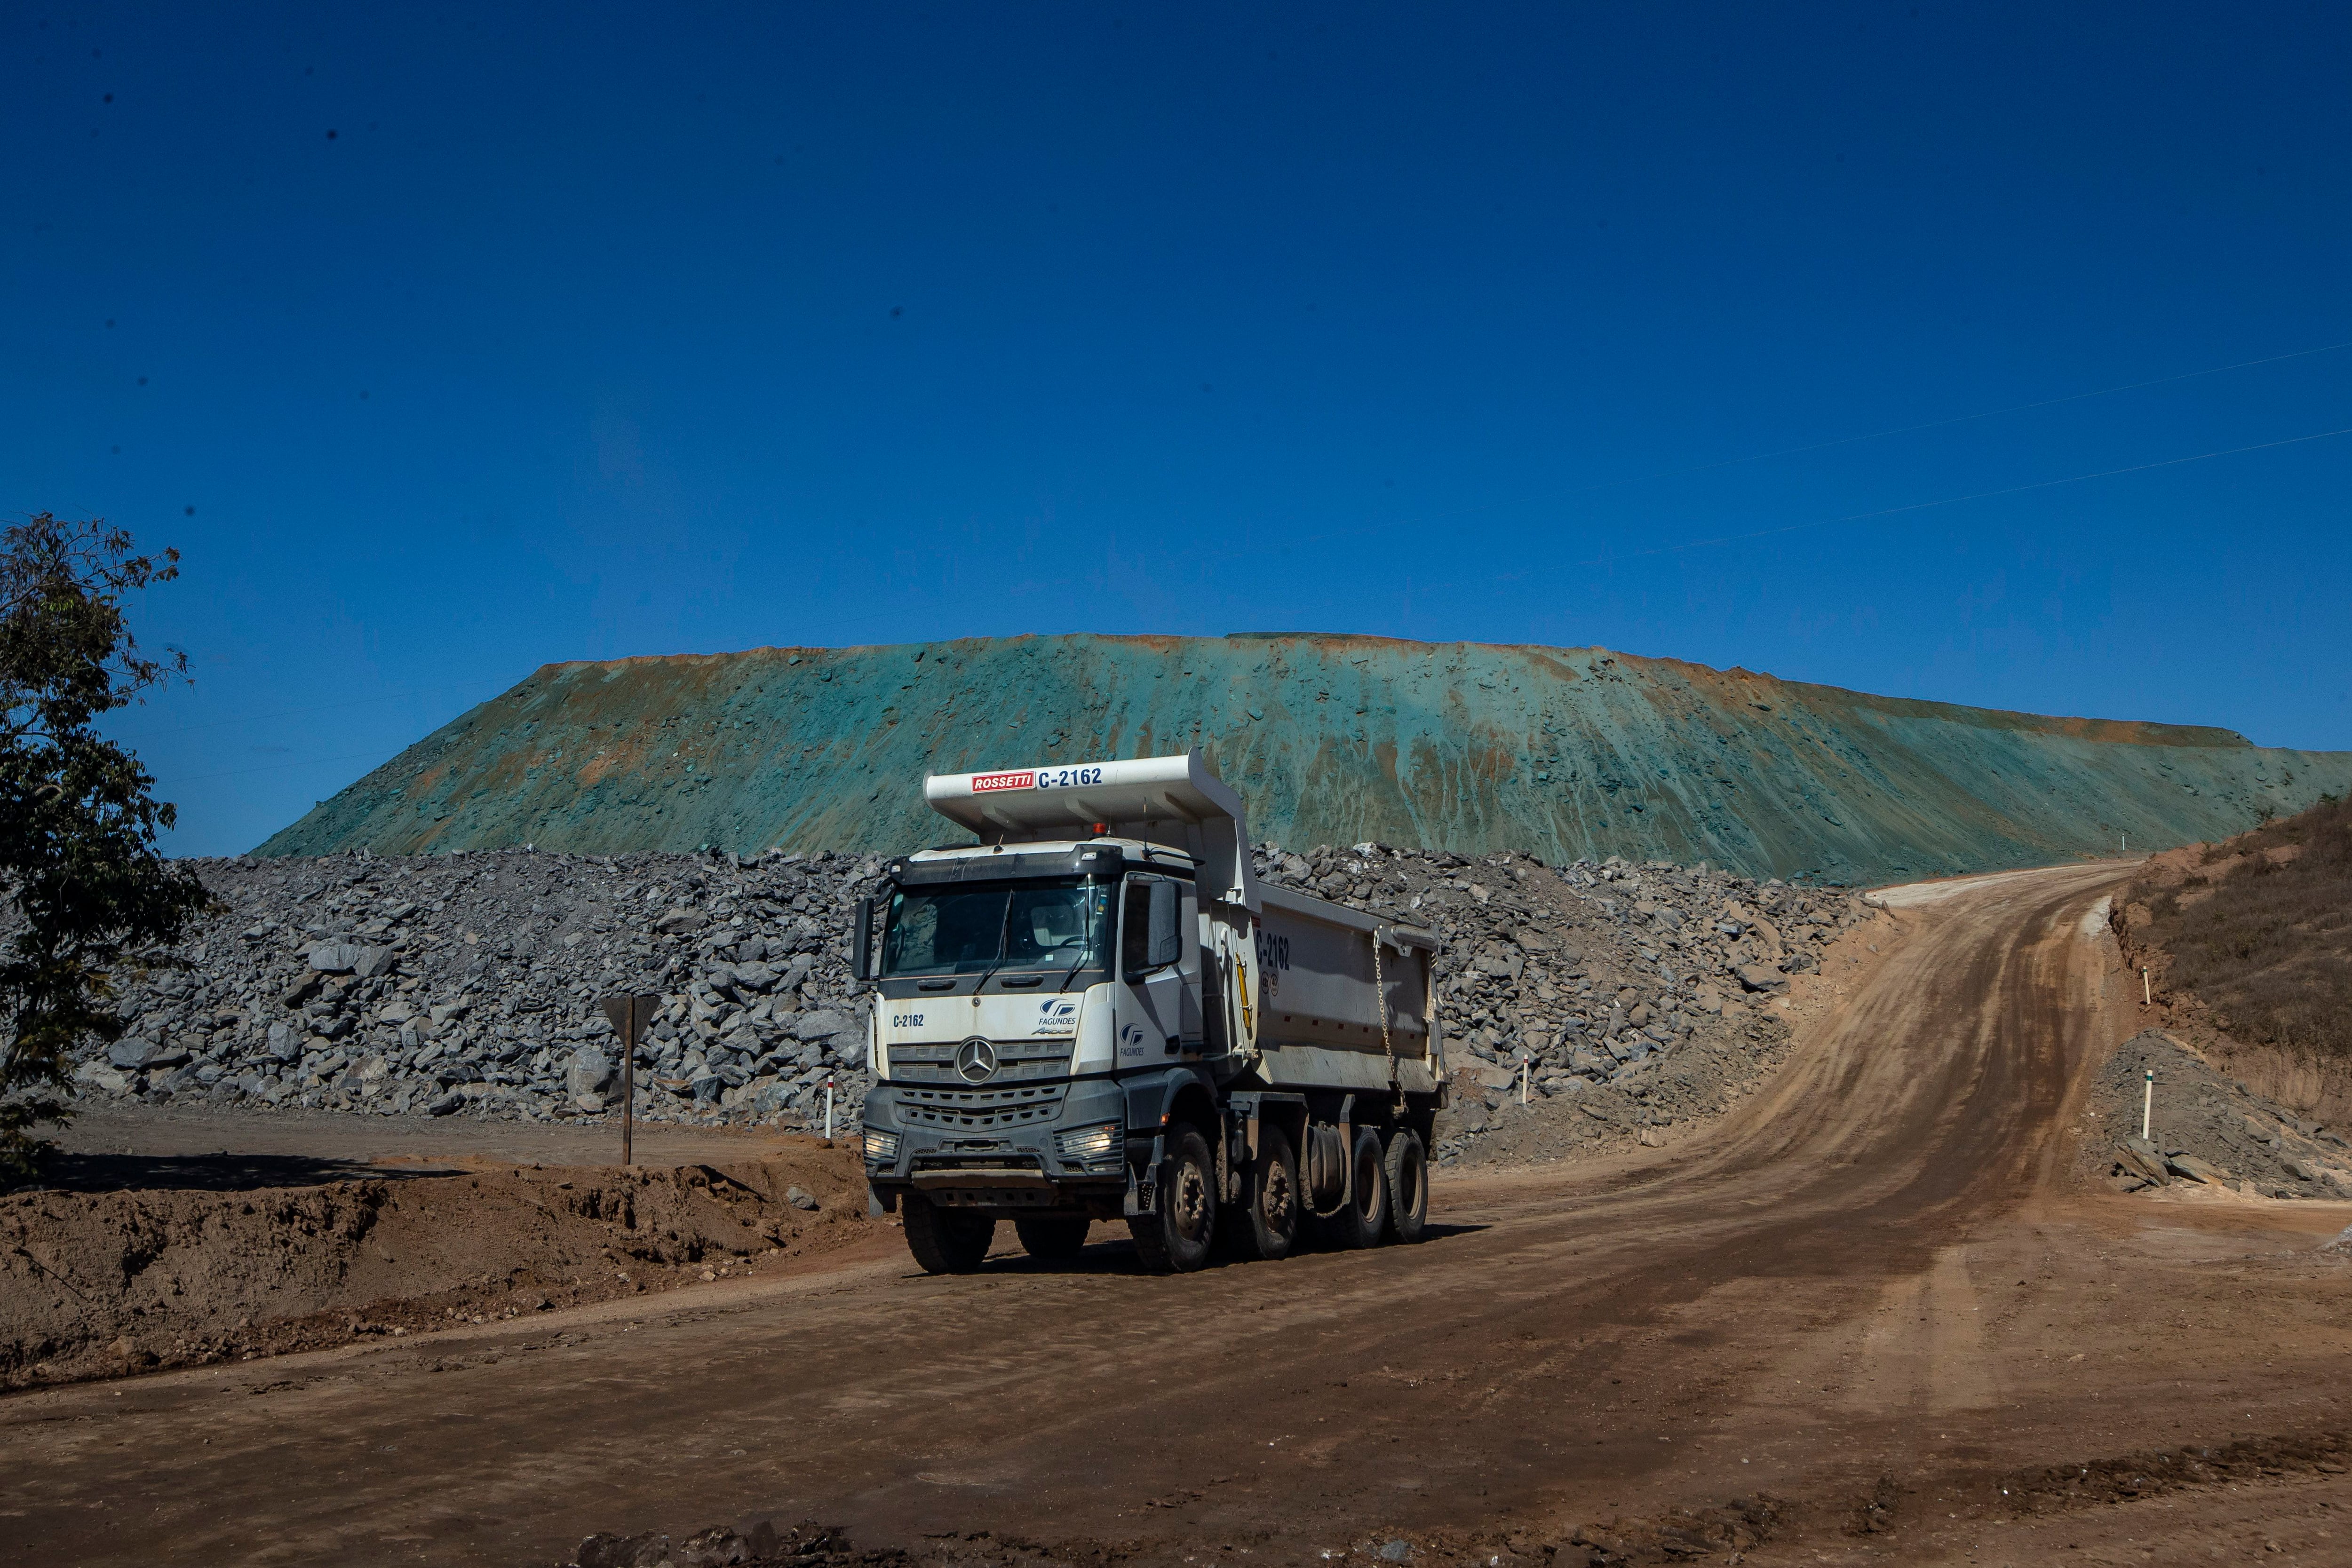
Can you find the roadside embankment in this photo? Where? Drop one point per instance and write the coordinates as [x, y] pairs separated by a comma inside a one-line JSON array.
[[2246, 946], [99, 1283]]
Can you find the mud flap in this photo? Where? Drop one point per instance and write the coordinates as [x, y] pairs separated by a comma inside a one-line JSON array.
[[1140, 1196]]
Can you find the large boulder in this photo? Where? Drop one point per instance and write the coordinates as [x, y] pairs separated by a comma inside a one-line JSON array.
[[130, 1054], [586, 1078], [100, 1076], [823, 1024], [349, 959]]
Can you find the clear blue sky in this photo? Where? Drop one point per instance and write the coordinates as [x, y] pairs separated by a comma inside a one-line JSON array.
[[484, 337]]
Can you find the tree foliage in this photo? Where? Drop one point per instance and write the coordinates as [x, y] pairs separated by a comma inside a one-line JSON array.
[[87, 887]]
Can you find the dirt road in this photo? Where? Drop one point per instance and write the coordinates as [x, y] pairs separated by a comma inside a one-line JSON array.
[[1869, 1293]]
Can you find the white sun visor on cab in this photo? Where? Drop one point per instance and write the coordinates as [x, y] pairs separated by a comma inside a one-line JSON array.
[[1163, 800]]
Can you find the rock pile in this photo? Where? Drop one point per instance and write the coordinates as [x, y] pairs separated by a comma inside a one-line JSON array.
[[470, 983], [2206, 1128], [442, 984], [1615, 999]]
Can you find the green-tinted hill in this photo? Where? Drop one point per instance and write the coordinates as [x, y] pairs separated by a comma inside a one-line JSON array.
[[1563, 752]]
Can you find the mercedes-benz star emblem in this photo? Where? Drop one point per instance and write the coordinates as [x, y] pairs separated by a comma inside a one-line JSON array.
[[976, 1061]]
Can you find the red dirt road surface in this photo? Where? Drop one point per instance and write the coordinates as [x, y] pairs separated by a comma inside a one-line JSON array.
[[1874, 1296]]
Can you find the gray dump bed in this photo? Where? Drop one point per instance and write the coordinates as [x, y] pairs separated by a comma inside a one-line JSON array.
[[1323, 1021]]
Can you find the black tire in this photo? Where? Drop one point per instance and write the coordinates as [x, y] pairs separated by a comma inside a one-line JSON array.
[[945, 1240], [1364, 1217], [1175, 1239], [1266, 1229], [1407, 1170], [1052, 1238]]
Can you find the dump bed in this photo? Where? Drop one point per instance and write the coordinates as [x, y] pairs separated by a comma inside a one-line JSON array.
[[1343, 991]]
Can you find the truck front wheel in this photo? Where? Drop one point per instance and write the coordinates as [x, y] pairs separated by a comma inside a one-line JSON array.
[[945, 1240], [1174, 1238]]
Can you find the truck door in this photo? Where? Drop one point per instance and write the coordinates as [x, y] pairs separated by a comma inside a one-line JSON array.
[[1150, 955]]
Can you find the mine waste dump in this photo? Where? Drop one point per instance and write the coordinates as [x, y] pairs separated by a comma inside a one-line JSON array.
[[1582, 1004], [1565, 753]]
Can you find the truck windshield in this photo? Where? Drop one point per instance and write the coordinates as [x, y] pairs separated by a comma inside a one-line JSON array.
[[1015, 925]]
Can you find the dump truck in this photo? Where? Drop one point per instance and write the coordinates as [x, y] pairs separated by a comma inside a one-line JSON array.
[[1097, 1011]]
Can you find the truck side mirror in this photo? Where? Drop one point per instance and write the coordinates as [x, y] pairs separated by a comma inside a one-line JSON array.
[[861, 957]]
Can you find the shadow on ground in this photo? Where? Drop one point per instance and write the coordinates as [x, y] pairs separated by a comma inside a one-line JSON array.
[[221, 1172]]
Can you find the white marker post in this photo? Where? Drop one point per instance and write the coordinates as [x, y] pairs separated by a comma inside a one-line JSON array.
[[1527, 1077], [2147, 999], [828, 1110], [2147, 1104]]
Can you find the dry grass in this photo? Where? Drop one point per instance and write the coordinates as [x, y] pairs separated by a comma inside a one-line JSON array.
[[2262, 932]]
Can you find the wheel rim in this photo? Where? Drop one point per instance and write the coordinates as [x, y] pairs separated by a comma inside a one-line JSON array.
[[1276, 1202], [1368, 1186], [1190, 1208], [1408, 1198]]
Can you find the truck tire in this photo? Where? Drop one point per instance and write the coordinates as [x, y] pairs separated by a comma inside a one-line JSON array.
[[1175, 1239], [1052, 1239], [1407, 1169], [1361, 1221], [945, 1240], [1267, 1228]]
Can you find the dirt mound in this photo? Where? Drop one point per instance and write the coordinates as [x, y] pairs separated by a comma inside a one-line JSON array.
[[93, 1284], [2248, 946], [1570, 752], [2206, 1128]]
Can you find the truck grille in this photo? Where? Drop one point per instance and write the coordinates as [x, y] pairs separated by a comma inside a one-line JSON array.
[[921, 1106], [1017, 1061]]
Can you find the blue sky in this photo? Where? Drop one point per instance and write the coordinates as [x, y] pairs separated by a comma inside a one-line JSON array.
[[481, 340]]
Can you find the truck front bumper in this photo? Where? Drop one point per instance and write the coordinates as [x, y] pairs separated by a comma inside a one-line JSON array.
[[1021, 1168]]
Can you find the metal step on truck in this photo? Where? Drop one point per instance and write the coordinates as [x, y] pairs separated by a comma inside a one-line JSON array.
[[1098, 1012]]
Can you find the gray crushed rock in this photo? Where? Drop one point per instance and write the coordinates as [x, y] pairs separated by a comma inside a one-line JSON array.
[[1620, 1000], [469, 984], [2206, 1128], [1615, 1001]]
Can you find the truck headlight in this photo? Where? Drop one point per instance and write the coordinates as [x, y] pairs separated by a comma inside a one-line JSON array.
[[881, 1146], [1084, 1143]]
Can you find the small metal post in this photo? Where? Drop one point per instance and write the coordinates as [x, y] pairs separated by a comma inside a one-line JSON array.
[[2147, 998], [828, 1110], [629, 1015], [2147, 1104]]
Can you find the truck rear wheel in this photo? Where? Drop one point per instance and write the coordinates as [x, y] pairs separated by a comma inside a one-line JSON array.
[[945, 1240], [1267, 1228], [1407, 1169], [1362, 1220], [1174, 1239], [1052, 1239]]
